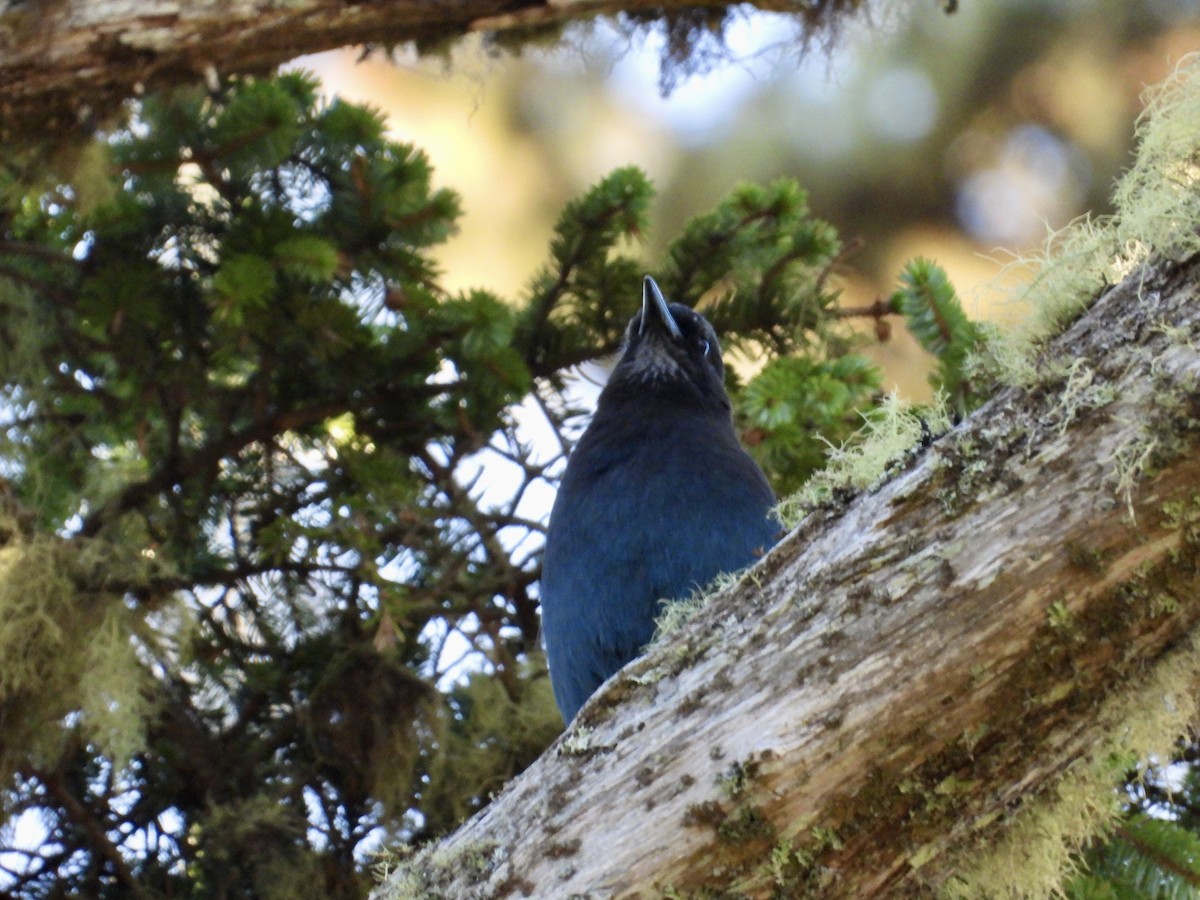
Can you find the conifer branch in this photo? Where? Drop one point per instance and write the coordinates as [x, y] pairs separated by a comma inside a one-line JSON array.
[[97, 833]]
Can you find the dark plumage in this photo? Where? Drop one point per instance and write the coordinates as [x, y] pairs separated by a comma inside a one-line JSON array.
[[658, 498]]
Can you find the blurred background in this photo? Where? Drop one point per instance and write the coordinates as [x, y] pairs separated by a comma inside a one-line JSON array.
[[963, 136]]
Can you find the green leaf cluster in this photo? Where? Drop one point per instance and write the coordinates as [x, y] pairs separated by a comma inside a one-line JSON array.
[[1147, 858], [577, 306], [796, 407], [935, 317], [757, 266]]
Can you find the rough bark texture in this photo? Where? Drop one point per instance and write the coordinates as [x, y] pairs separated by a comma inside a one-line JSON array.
[[881, 693], [63, 63]]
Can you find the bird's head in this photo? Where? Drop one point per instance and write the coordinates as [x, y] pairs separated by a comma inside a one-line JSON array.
[[670, 345]]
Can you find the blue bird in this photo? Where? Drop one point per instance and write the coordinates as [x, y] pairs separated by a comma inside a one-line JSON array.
[[658, 499]]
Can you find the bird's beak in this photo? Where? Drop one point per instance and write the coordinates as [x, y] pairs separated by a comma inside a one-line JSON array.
[[652, 295]]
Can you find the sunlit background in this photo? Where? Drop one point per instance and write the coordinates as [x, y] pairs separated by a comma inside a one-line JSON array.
[[965, 136]]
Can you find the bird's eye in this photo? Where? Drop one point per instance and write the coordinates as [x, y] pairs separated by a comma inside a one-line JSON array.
[[704, 346]]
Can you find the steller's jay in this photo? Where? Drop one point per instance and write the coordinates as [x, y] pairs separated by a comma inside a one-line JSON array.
[[658, 498]]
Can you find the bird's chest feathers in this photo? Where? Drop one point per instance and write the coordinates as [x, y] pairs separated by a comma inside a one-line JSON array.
[[658, 512], [647, 474]]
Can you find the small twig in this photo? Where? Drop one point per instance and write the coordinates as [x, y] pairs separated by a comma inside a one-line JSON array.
[[876, 310], [847, 250]]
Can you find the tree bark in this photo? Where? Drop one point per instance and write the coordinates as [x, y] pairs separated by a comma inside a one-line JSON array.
[[66, 63], [865, 711]]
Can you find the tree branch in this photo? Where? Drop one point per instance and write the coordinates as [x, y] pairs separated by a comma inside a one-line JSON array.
[[96, 832], [1160, 859], [64, 63], [870, 705], [204, 459]]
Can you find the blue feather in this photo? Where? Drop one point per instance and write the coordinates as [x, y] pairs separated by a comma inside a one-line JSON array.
[[657, 500]]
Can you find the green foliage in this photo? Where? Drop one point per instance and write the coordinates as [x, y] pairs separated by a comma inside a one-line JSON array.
[[238, 397], [795, 408], [889, 432], [935, 317], [1147, 857], [756, 265], [586, 289], [242, 544]]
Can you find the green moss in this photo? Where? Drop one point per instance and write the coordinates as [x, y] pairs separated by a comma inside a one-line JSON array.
[[1164, 603], [970, 738], [1060, 618], [968, 472], [431, 873], [1047, 683], [68, 647], [1031, 856], [240, 839], [922, 855], [736, 778], [1184, 515], [825, 838], [745, 824], [1156, 206], [1165, 434], [793, 871], [577, 743], [1087, 558], [889, 434], [1081, 390], [789, 867], [677, 613]]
